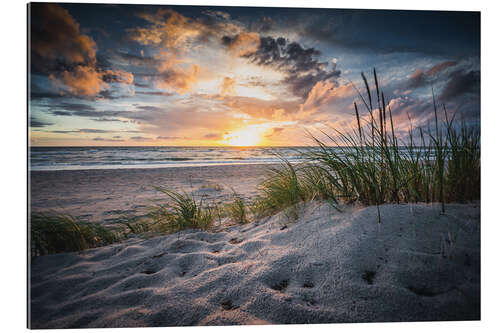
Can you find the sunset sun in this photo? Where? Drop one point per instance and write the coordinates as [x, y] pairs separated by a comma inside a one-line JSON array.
[[243, 138]]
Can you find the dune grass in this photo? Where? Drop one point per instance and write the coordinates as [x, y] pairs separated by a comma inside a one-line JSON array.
[[238, 209], [182, 211], [371, 163], [283, 189], [55, 233]]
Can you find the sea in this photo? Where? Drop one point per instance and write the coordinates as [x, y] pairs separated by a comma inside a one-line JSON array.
[[87, 158]]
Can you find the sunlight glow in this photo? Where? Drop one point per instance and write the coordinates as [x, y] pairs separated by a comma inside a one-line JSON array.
[[244, 137]]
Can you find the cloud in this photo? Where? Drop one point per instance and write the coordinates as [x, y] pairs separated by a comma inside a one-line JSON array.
[[155, 93], [420, 78], [276, 131], [104, 119], [461, 82], [83, 80], [108, 140], [300, 65], [140, 138], [213, 136], [440, 67], [421, 32], [257, 108], [227, 86], [83, 130], [38, 123], [171, 138], [417, 79], [55, 35], [264, 24], [169, 29], [326, 92], [178, 33], [175, 75], [243, 44], [61, 51]]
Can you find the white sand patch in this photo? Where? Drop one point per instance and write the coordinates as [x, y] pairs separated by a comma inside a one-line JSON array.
[[326, 267]]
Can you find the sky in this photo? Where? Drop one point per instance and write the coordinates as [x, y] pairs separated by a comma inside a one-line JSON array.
[[138, 75]]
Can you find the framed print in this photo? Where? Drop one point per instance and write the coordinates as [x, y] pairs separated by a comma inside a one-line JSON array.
[[209, 165]]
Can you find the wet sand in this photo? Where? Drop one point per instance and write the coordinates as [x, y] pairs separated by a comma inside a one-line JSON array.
[[103, 196]]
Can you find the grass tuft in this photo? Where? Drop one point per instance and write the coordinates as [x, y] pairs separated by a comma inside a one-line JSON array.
[[181, 212], [56, 233], [238, 209]]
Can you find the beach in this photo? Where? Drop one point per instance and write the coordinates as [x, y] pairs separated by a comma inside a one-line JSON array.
[[325, 267], [309, 261], [108, 195]]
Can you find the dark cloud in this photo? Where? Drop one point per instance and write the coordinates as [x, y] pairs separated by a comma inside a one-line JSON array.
[[440, 67], [56, 40], [461, 82], [139, 138], [420, 78], [263, 25], [62, 113], [424, 32], [38, 123], [300, 65], [104, 119], [138, 60], [34, 95], [213, 136], [149, 108], [83, 130], [87, 111], [171, 138], [93, 130], [156, 93], [66, 55], [107, 140], [73, 107]]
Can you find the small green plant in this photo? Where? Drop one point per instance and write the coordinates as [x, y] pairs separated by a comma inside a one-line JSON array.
[[181, 212], [238, 209], [282, 189], [55, 233]]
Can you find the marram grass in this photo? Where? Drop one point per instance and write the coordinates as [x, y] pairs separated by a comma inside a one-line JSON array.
[[372, 165], [55, 233]]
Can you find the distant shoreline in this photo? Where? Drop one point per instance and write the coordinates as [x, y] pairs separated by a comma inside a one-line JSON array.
[[153, 166]]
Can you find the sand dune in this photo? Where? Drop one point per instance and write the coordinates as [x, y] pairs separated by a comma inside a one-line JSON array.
[[326, 267]]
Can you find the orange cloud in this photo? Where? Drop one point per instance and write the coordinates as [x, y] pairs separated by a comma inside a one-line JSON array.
[[57, 42], [84, 80], [118, 76], [174, 74], [325, 92], [440, 67], [87, 81], [172, 30], [258, 108], [58, 36], [244, 44], [227, 86]]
